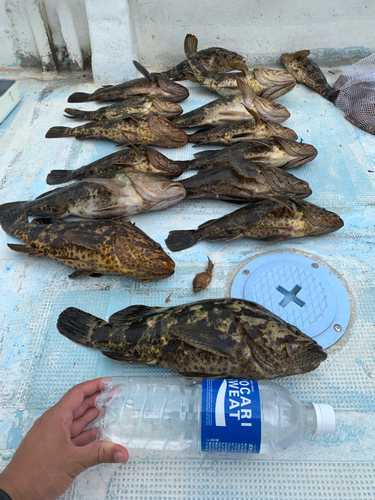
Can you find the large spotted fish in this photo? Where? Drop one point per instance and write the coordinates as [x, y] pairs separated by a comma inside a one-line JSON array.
[[91, 248], [216, 338], [268, 220]]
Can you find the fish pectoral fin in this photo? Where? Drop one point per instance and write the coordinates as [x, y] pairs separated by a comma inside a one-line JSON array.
[[277, 238], [115, 185], [206, 338], [230, 113], [80, 273], [124, 358], [132, 313], [242, 167], [27, 249], [240, 66], [143, 71], [208, 152], [47, 220], [85, 239]]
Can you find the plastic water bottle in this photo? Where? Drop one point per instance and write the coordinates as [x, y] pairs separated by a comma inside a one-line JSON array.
[[218, 415]]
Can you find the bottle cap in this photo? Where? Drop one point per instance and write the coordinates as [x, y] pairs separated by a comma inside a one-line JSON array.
[[325, 418]]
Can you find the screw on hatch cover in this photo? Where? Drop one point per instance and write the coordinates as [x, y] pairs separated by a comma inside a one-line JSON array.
[[337, 328], [315, 265], [245, 271], [290, 296]]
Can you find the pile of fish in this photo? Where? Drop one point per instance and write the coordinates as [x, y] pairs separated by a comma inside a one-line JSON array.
[[215, 338]]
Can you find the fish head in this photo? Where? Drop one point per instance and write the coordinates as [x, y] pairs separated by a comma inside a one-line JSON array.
[[300, 153], [168, 108], [276, 83], [275, 129], [278, 348], [286, 184], [322, 221], [174, 91], [140, 254], [295, 61], [167, 167], [271, 111], [157, 190], [167, 133]]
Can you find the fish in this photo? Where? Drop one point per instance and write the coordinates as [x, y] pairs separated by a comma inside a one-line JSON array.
[[145, 159], [151, 129], [214, 59], [233, 108], [242, 130], [308, 72], [215, 338], [150, 85], [139, 106], [272, 152], [202, 280], [271, 83], [91, 248], [243, 181], [268, 220], [114, 194]]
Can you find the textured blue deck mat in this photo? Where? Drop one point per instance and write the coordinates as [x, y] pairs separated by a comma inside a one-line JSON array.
[[38, 365]]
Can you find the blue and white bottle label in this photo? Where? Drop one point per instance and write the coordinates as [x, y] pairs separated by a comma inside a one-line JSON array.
[[231, 418]]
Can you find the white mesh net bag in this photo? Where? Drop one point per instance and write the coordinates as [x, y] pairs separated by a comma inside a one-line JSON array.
[[357, 94]]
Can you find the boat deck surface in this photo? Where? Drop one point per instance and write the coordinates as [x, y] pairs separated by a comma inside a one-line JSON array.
[[38, 365]]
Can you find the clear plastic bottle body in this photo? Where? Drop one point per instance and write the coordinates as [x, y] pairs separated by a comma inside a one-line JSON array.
[[165, 414]]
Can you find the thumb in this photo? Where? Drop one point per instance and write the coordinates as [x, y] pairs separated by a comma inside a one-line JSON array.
[[102, 452]]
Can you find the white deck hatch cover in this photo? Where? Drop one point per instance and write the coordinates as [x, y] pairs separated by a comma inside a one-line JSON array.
[[299, 290]]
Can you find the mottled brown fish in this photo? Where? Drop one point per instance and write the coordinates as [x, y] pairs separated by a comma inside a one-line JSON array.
[[268, 220], [242, 130], [273, 152], [308, 72], [271, 83], [145, 159], [243, 181], [114, 194], [216, 338], [151, 85], [214, 59], [202, 280], [139, 106], [233, 108], [92, 248], [151, 129]]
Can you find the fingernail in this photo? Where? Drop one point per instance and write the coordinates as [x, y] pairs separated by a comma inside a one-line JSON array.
[[105, 382], [120, 458]]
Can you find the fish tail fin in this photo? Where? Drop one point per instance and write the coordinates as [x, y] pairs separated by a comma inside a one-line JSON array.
[[11, 214], [180, 240], [58, 177], [76, 113], [191, 45], [79, 326], [333, 95], [58, 132], [79, 97]]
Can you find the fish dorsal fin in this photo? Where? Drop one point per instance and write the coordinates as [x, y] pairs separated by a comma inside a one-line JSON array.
[[124, 358], [203, 337], [132, 313], [115, 185], [86, 239], [206, 223], [301, 54], [143, 71]]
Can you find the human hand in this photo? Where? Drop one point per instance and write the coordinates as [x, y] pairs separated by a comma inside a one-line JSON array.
[[56, 449]]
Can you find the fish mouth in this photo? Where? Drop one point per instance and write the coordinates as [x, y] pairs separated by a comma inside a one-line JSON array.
[[270, 111], [160, 268]]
